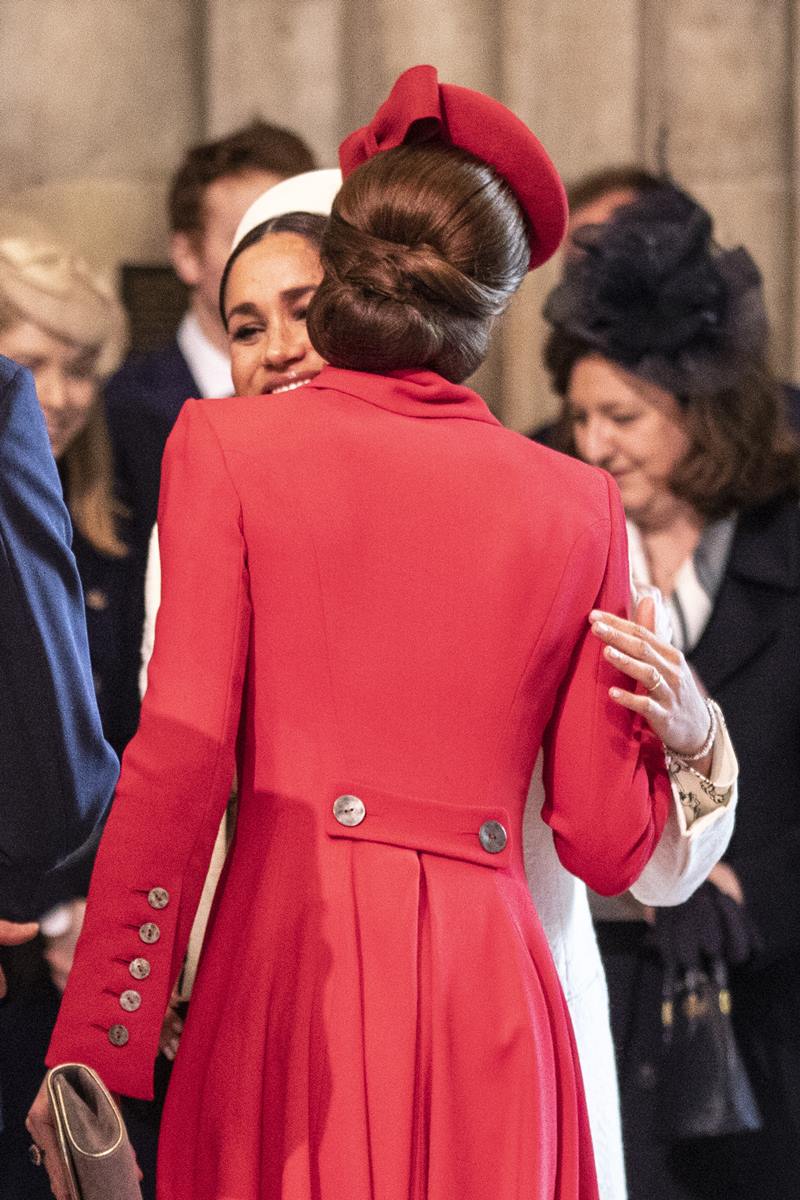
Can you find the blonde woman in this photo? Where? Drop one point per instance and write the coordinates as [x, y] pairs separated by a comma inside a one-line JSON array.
[[63, 322]]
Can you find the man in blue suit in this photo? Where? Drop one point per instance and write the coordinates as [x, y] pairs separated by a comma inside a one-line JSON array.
[[210, 193], [57, 772]]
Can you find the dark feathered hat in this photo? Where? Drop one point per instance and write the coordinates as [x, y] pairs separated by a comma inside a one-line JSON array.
[[653, 292]]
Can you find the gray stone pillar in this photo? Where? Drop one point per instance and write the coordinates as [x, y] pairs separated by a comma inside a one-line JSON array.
[[280, 61], [94, 88], [383, 38], [99, 100], [718, 79], [571, 71]]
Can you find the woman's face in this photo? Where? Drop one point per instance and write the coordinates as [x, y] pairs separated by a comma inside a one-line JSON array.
[[633, 429], [65, 383], [267, 296]]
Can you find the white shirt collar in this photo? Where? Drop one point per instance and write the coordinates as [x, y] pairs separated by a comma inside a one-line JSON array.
[[696, 584], [210, 368]]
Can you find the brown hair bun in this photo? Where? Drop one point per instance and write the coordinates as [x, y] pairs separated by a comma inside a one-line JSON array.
[[425, 247]]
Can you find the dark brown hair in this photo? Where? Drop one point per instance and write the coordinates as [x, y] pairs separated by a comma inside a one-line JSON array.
[[623, 178], [310, 226], [741, 454], [425, 247], [258, 146]]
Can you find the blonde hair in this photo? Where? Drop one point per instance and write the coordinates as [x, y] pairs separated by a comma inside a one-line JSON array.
[[46, 284]]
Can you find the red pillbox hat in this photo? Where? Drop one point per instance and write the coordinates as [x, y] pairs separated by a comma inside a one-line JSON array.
[[420, 109]]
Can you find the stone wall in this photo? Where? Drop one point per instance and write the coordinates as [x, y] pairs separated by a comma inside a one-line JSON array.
[[100, 96]]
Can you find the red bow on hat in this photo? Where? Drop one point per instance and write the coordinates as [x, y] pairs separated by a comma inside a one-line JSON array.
[[420, 109]]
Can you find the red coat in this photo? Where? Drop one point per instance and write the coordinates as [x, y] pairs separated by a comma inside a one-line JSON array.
[[370, 589]]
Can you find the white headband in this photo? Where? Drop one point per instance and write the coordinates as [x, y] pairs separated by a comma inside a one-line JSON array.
[[312, 192]]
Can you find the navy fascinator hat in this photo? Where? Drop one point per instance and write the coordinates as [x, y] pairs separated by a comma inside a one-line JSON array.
[[652, 291]]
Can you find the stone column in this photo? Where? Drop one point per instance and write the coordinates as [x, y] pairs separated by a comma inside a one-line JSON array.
[[718, 79], [570, 69], [459, 37], [92, 88], [279, 61], [98, 100]]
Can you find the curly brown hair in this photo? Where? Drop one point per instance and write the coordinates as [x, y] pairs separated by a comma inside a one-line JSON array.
[[742, 452]]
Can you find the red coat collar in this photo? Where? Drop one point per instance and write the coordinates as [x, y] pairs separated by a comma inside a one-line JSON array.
[[410, 393]]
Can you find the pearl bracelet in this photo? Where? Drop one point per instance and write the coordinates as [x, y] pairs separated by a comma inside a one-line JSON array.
[[714, 716]]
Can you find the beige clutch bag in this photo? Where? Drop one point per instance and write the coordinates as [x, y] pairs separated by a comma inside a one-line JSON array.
[[91, 1134]]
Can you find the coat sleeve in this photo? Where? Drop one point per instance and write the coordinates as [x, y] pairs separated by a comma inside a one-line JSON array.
[[607, 792], [176, 774], [57, 772], [690, 846]]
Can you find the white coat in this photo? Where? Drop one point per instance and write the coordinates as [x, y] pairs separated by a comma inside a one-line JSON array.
[[682, 860]]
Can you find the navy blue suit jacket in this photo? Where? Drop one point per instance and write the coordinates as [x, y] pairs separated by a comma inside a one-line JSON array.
[[143, 400], [57, 772]]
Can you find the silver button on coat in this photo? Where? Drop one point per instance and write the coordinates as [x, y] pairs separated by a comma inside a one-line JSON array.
[[493, 837], [130, 1000], [149, 932], [118, 1035], [139, 968], [349, 810], [158, 897]]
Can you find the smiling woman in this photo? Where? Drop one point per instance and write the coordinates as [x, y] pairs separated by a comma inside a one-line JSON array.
[[64, 378], [270, 278], [268, 290], [61, 319]]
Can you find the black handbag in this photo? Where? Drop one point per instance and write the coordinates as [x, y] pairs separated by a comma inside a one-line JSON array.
[[704, 1089]]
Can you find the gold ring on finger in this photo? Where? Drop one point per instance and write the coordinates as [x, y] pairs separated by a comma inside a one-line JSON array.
[[659, 679]]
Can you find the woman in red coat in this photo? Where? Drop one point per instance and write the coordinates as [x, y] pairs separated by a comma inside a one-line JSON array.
[[375, 606]]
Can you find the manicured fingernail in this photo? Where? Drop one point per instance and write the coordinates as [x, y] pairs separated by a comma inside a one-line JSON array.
[[615, 693], [595, 614], [612, 653], [601, 628]]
